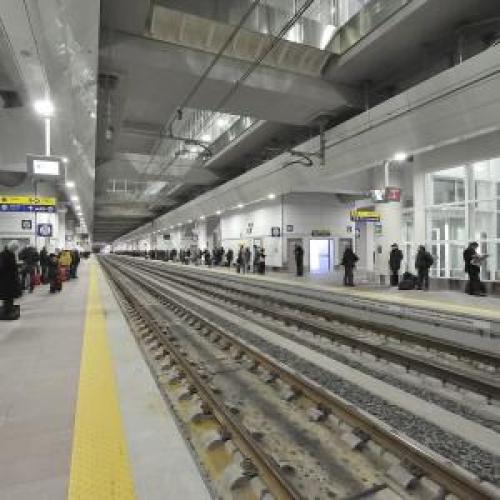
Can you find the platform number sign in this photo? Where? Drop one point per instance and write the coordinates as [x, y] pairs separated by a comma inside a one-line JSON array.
[[44, 230], [26, 224]]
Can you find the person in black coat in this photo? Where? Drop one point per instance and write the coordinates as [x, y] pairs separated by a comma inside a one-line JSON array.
[[423, 263], [229, 257], [44, 262], [299, 259], [395, 259], [10, 286], [349, 260], [473, 269]]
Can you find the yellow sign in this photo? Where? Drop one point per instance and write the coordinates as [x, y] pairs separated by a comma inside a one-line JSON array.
[[27, 200], [365, 215]]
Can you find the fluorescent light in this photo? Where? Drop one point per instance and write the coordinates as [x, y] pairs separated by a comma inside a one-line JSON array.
[[206, 137], [74, 198], [271, 196], [179, 223], [222, 122], [44, 107], [400, 156], [65, 159], [70, 184], [218, 212], [240, 205], [202, 217], [190, 220], [327, 36]]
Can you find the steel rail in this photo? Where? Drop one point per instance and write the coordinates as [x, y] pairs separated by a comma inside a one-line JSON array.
[[488, 387], [269, 470], [453, 478], [428, 341]]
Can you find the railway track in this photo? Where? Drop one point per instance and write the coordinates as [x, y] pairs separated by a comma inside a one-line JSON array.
[[409, 469], [477, 370]]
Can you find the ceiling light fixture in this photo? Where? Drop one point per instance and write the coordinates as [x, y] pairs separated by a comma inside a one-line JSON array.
[[240, 205], [44, 107], [70, 184], [218, 212], [65, 159], [74, 198], [206, 137], [222, 122], [271, 196], [202, 217], [400, 156]]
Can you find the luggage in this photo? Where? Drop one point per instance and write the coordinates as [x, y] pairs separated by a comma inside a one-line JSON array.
[[408, 282]]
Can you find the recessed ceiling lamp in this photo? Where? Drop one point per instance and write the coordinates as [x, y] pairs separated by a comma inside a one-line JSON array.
[[44, 107], [218, 212], [240, 205], [206, 137], [74, 198], [70, 184], [271, 196], [400, 156], [202, 217]]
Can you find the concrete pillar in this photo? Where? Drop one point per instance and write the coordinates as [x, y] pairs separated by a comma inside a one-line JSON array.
[[390, 218]]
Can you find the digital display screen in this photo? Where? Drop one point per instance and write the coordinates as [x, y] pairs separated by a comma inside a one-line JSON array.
[[45, 167]]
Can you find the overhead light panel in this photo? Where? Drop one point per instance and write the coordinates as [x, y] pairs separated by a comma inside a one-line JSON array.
[[271, 196], [74, 198], [218, 212], [44, 107], [400, 156], [70, 184]]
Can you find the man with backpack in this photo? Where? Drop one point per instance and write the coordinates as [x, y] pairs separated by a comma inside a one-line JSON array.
[[423, 263]]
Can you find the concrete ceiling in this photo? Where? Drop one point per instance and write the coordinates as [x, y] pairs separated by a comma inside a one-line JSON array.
[[153, 53], [151, 56], [50, 52]]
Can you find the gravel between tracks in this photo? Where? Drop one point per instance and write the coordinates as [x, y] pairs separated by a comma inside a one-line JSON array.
[[485, 465], [469, 456]]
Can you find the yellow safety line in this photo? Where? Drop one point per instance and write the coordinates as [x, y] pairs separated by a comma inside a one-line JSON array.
[[100, 468]]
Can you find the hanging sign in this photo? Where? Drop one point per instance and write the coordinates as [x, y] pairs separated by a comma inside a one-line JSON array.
[[27, 208], [321, 232], [44, 230], [275, 231], [365, 216], [27, 200], [26, 224]]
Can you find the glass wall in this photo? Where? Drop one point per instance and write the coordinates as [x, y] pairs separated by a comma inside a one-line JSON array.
[[462, 205]]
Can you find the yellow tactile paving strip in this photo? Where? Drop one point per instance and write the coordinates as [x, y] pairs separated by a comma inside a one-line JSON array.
[[100, 468]]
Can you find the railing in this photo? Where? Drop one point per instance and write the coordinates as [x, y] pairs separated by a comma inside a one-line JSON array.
[[363, 23]]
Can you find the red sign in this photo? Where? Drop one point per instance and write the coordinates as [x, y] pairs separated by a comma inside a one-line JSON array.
[[392, 194]]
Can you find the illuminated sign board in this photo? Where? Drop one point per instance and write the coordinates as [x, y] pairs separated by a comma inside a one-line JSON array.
[[27, 204], [365, 216], [46, 167]]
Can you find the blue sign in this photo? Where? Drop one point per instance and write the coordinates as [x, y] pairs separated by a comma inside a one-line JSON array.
[[44, 230], [27, 208]]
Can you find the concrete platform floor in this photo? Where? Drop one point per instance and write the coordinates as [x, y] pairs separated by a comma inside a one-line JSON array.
[[39, 381]]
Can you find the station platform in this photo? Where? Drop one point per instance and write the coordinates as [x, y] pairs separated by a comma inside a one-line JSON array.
[[80, 414], [445, 301]]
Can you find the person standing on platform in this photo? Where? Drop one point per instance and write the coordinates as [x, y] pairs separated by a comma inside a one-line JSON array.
[[395, 259], [248, 258], [240, 261], [54, 274], [44, 262], [262, 261], [349, 260], [423, 263], [472, 263], [75, 261], [299, 259], [229, 257], [10, 286], [30, 257]]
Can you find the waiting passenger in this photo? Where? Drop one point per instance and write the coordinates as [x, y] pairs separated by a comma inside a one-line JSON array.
[[240, 260], [75, 262], [229, 257], [248, 258], [473, 263], [349, 260], [423, 262], [44, 262], [30, 257], [55, 274], [395, 259], [10, 285], [262, 261], [299, 259]]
